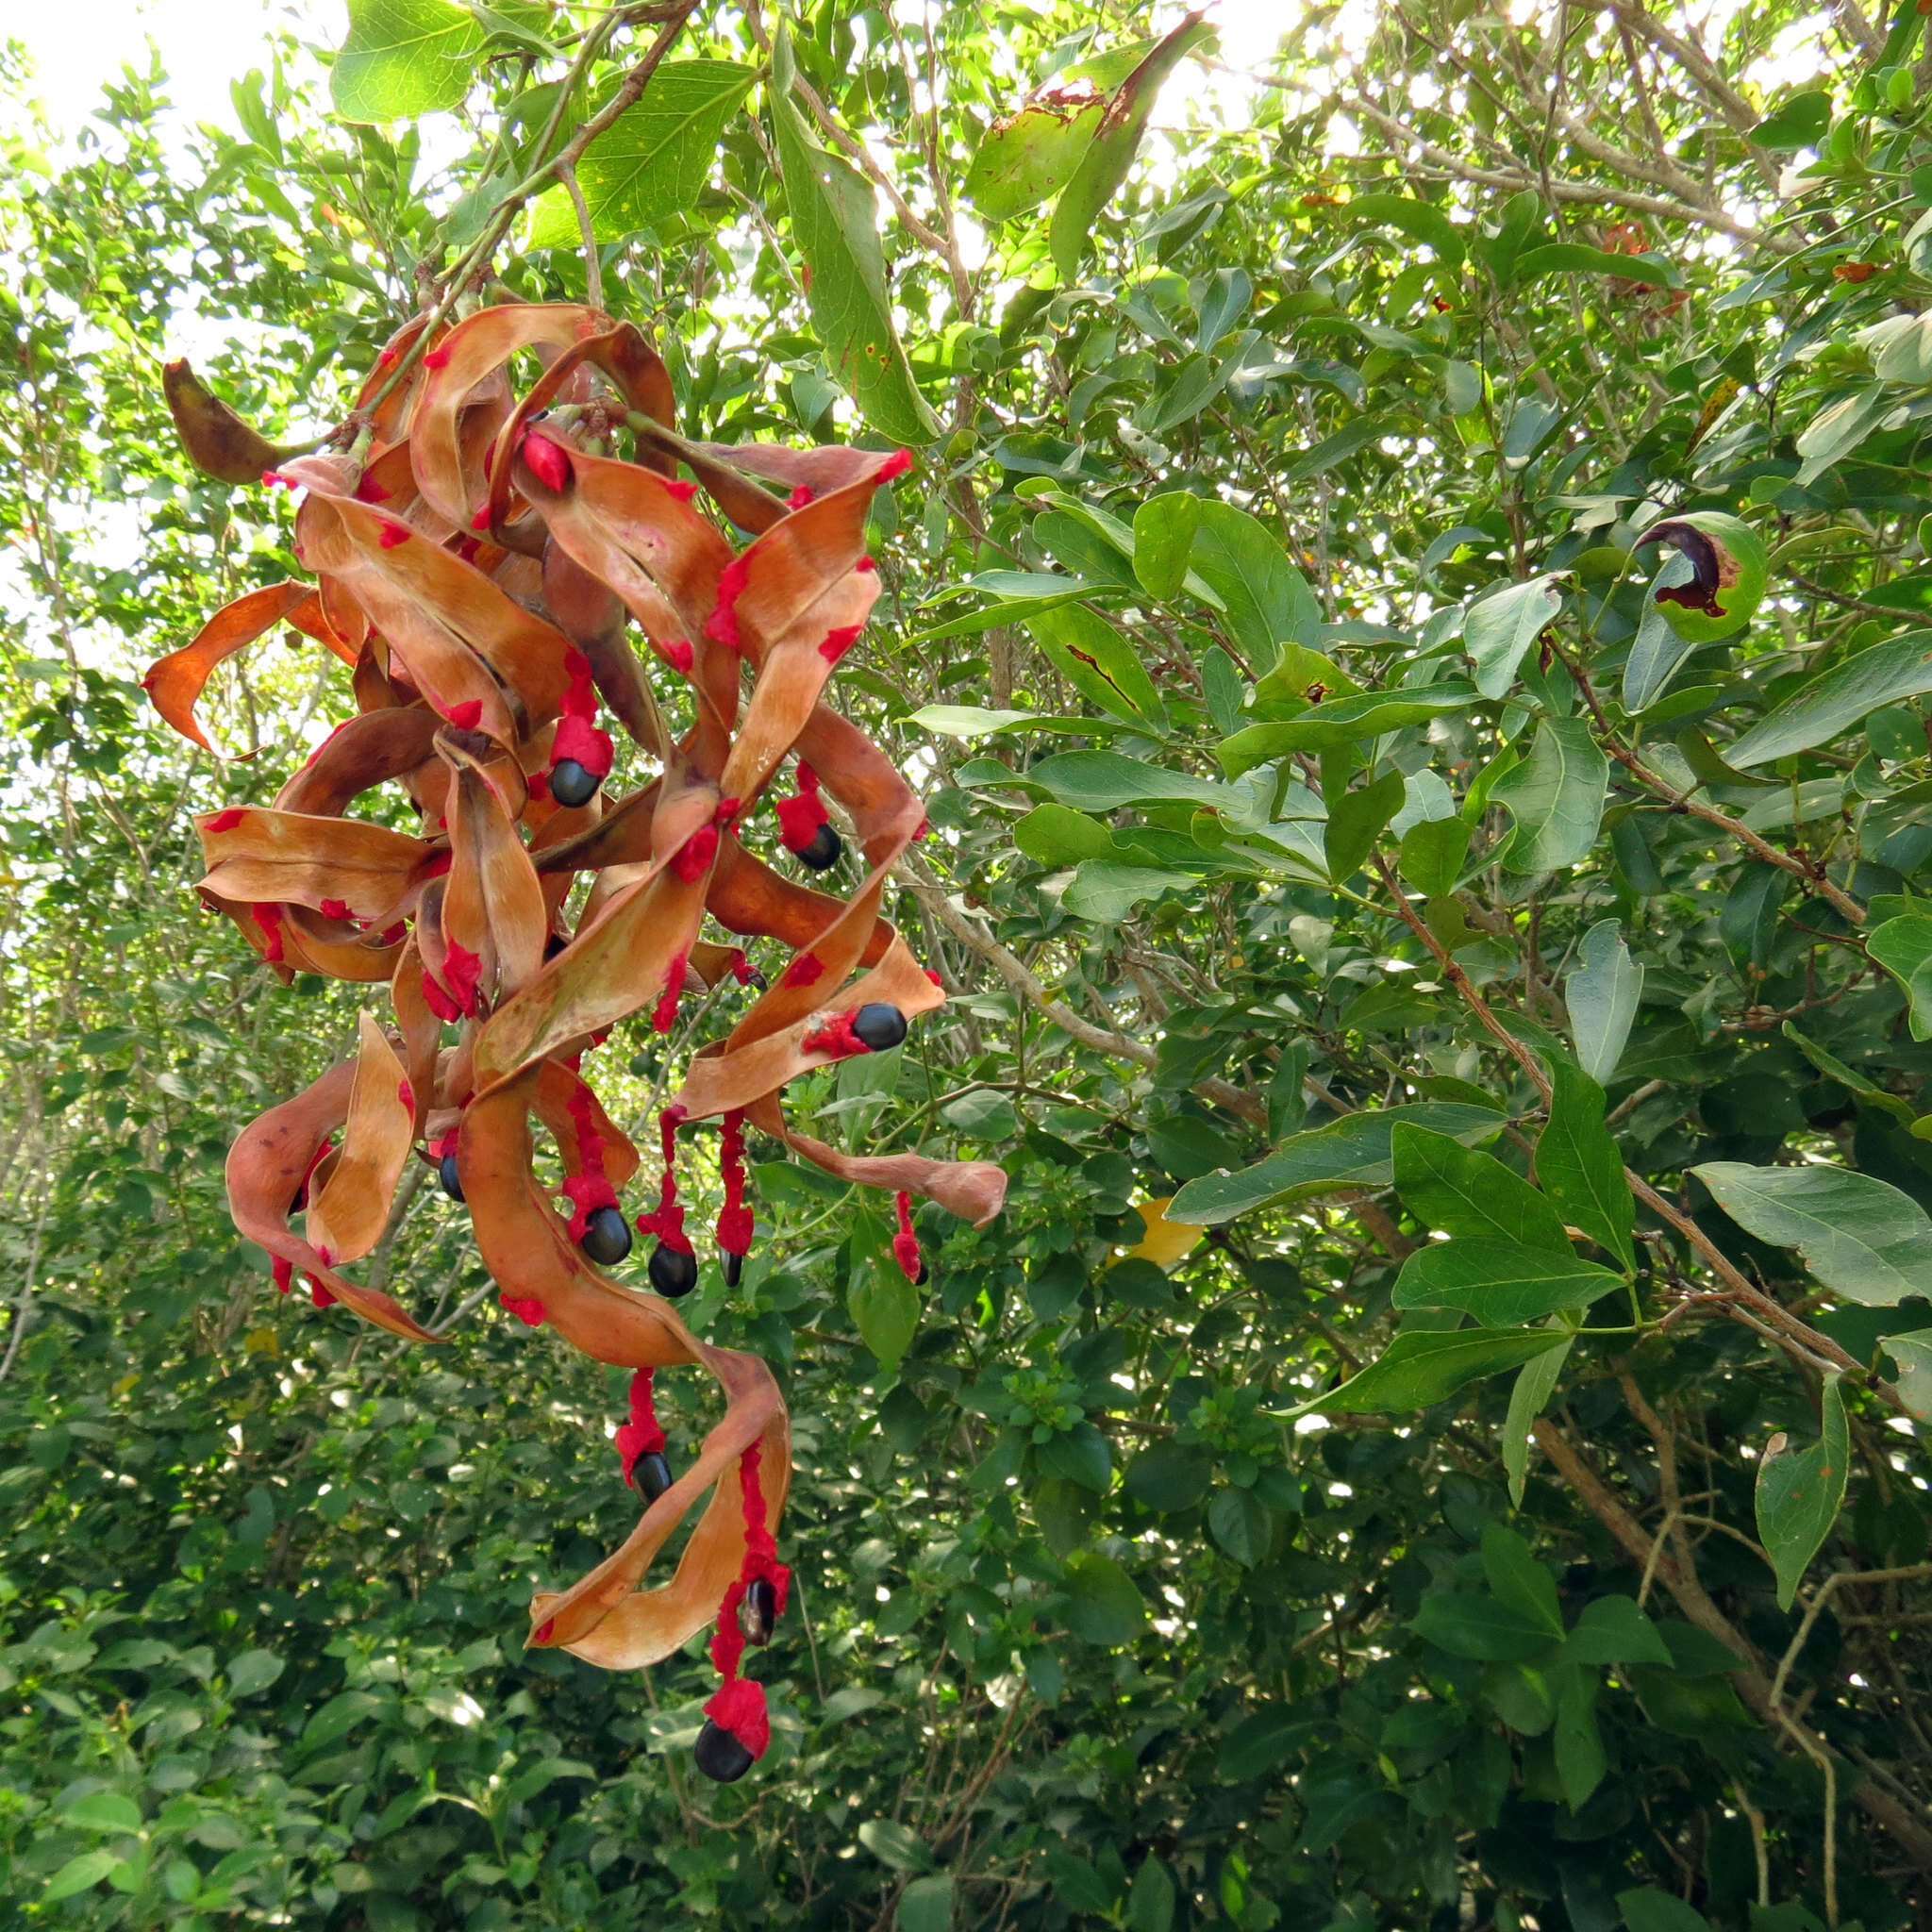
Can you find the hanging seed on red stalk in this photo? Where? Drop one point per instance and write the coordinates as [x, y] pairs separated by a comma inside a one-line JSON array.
[[652, 1474], [674, 1271], [606, 1237], [757, 1616], [823, 851], [879, 1025], [720, 1755], [572, 784]]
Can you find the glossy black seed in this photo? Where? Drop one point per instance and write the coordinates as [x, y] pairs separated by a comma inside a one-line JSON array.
[[734, 1269], [920, 1279], [572, 784], [822, 853], [652, 1474], [879, 1025], [673, 1271], [606, 1237], [720, 1755], [554, 946], [452, 1181], [757, 1615], [757, 980]]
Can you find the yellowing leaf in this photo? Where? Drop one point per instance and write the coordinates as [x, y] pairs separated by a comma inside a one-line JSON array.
[[1167, 1242]]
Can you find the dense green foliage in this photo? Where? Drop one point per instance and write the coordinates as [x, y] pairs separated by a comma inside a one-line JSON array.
[[1330, 830]]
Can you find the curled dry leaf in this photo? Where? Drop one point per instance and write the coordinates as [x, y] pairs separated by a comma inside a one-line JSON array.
[[496, 581]]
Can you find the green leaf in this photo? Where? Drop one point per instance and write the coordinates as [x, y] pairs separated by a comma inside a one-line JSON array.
[[893, 1844], [1903, 947], [1498, 631], [833, 223], [1106, 780], [1556, 796], [1613, 1630], [1056, 835], [1263, 1740], [854, 1700], [926, 1905], [885, 1305], [253, 1670], [1579, 1745], [1498, 1282], [1860, 1235], [1461, 1191], [1431, 855], [1110, 152], [1651, 1911], [1079, 1454], [1800, 121], [1800, 1493], [1658, 650], [1468, 1624], [1573, 257], [1602, 995], [1197, 380], [1322, 457], [1516, 1578], [78, 1875], [1356, 822], [1151, 1898], [1835, 1068], [1268, 601], [1170, 1476], [1103, 1604], [1077, 1884], [1240, 1526], [1837, 431], [1027, 157], [1837, 699], [1164, 530], [1422, 221], [1106, 892], [1344, 721], [1536, 1382], [403, 58], [1100, 662], [104, 1811], [1582, 1172], [653, 160], [1423, 1367], [1913, 1354], [1353, 1150]]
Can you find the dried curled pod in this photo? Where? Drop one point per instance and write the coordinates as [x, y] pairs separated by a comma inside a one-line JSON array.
[[495, 584]]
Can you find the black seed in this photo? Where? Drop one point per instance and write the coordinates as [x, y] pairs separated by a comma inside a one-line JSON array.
[[757, 1615], [879, 1025], [674, 1271], [652, 1474], [822, 853], [572, 784], [734, 1269], [718, 1754], [606, 1237], [920, 1279], [452, 1181], [554, 946], [757, 980]]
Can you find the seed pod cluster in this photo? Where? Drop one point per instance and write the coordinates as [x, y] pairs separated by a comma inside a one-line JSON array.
[[495, 583]]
